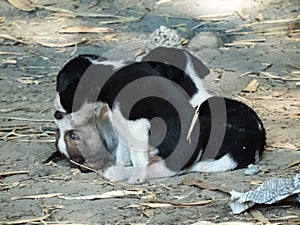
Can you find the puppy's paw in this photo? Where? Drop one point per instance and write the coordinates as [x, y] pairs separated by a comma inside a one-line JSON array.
[[117, 173], [139, 175], [137, 180]]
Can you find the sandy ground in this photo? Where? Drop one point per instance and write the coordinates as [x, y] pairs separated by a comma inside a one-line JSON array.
[[31, 53]]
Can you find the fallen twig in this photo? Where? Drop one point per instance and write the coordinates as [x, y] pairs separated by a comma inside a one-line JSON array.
[[8, 37], [14, 109], [269, 22], [205, 185], [162, 204], [37, 196], [86, 167], [110, 194], [60, 45], [10, 53], [27, 119], [81, 29], [10, 173], [245, 42], [23, 221], [292, 164]]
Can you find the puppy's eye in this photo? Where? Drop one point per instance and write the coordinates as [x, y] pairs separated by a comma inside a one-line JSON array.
[[58, 115], [74, 136]]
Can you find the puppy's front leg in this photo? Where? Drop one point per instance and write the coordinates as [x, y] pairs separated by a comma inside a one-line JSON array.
[[122, 156], [139, 140]]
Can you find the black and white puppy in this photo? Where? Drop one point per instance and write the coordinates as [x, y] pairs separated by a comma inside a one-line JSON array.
[[231, 137]]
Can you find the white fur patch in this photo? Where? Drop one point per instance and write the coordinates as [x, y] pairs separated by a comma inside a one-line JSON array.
[[223, 164], [64, 125], [202, 94], [115, 64], [62, 146], [57, 104]]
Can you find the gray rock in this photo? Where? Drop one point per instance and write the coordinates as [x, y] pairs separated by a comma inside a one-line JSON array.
[[38, 169], [205, 40]]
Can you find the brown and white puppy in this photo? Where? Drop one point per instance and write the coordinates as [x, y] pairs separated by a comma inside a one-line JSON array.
[[82, 134]]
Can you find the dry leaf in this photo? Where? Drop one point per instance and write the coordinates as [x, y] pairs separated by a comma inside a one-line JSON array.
[[81, 29], [292, 164], [86, 167], [29, 80], [226, 223], [204, 185], [14, 173], [8, 186], [10, 53], [151, 205], [273, 76], [259, 216], [37, 196], [26, 119], [9, 37], [8, 61], [246, 42], [110, 194], [23, 221], [268, 22], [295, 115], [88, 14], [22, 6], [2, 19], [60, 45], [163, 204], [284, 145], [252, 86]]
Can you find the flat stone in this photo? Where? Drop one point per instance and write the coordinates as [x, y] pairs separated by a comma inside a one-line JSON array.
[[205, 40]]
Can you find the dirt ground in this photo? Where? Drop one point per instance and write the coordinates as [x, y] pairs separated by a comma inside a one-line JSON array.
[[259, 42]]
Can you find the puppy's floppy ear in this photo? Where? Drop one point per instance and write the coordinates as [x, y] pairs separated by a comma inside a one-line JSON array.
[[201, 69], [101, 110], [71, 73]]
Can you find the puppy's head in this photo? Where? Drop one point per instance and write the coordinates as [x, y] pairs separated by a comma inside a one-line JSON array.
[[80, 140]]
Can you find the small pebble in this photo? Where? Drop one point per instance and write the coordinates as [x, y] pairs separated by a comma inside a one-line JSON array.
[[252, 170], [38, 169]]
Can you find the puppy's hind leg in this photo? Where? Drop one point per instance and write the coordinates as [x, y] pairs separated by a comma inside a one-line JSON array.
[[138, 140]]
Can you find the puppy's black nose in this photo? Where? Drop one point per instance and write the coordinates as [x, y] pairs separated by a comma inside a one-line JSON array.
[[58, 115]]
